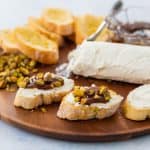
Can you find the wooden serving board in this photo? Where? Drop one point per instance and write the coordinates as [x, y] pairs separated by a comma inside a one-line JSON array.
[[113, 128]]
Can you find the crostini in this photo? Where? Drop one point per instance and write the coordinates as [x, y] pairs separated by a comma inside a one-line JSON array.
[[58, 20], [43, 88], [8, 42], [37, 25], [84, 103], [137, 104], [36, 46]]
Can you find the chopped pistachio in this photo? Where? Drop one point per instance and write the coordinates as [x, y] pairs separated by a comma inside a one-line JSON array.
[[24, 71], [12, 65], [26, 61], [77, 99], [22, 64], [4, 73], [83, 101], [96, 96], [96, 109], [57, 84], [47, 76], [43, 109], [21, 82], [102, 89], [13, 79], [52, 86], [32, 63], [40, 75], [60, 79], [78, 91], [90, 92], [15, 73], [2, 84], [15, 68], [107, 95], [34, 70], [8, 79], [39, 82]]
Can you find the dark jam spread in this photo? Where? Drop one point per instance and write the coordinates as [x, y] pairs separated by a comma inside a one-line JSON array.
[[132, 27], [132, 33], [45, 81], [90, 95]]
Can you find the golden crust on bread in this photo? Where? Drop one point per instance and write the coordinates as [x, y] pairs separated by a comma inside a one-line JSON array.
[[134, 113], [36, 46], [58, 20], [8, 42], [37, 25]]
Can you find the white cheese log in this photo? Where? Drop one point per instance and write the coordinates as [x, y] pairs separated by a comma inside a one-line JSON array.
[[103, 60]]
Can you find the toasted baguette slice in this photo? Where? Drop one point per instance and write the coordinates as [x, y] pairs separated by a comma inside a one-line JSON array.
[[72, 110], [32, 98], [36, 24], [137, 104], [58, 20], [36, 46], [8, 42], [86, 25]]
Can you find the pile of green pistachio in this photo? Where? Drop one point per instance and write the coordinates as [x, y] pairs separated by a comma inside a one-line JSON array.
[[15, 70]]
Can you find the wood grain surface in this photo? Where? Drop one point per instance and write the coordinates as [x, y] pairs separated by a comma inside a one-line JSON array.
[[113, 128]]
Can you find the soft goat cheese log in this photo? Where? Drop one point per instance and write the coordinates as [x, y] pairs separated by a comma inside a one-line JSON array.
[[30, 98], [104, 60], [137, 104]]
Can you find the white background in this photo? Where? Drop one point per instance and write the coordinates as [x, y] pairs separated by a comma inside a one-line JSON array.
[[16, 12]]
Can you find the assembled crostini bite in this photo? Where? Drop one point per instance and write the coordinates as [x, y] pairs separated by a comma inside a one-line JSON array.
[[43, 88], [84, 103]]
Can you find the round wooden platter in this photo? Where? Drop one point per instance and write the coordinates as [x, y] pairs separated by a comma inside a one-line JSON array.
[[113, 128]]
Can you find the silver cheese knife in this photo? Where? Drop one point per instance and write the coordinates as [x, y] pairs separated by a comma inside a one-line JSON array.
[[114, 11]]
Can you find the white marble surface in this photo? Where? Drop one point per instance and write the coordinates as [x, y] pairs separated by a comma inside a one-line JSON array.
[[12, 138], [15, 12]]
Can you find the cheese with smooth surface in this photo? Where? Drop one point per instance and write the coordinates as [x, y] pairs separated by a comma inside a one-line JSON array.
[[104, 60]]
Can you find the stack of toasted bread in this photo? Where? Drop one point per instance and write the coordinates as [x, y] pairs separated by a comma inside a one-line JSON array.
[[41, 37]]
